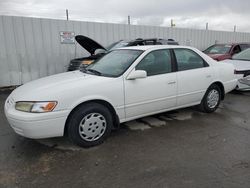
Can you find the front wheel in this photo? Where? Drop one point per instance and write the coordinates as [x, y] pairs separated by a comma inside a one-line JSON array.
[[89, 125], [211, 99]]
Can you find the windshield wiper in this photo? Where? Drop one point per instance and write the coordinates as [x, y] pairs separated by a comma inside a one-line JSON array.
[[94, 71]]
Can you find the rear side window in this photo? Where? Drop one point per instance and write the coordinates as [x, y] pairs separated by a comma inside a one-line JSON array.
[[156, 62], [188, 59]]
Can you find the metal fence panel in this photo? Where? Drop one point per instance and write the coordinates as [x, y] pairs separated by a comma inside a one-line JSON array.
[[30, 48]]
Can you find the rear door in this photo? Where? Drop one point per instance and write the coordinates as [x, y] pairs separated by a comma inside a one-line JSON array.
[[193, 76]]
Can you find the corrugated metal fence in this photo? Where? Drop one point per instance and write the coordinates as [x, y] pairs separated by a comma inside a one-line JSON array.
[[30, 48]]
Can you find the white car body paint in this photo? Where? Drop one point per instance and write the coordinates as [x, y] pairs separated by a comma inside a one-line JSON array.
[[241, 66], [238, 64], [131, 99]]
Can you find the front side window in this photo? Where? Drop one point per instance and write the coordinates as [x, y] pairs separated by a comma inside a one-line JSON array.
[[113, 64], [156, 62], [187, 59]]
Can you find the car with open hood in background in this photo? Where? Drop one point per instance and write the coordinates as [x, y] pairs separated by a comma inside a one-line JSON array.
[[220, 52], [241, 62], [96, 50]]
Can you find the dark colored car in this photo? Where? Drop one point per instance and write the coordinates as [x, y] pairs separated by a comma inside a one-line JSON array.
[[97, 51], [220, 52]]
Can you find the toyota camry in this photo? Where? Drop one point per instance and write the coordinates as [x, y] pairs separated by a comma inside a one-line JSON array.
[[125, 84]]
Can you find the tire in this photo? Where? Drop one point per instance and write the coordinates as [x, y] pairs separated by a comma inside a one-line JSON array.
[[89, 125], [211, 99]]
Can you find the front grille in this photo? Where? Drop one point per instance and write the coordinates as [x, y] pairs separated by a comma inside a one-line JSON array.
[[75, 62], [72, 68], [74, 65]]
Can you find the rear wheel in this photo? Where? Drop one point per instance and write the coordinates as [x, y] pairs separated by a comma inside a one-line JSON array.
[[89, 125], [211, 99]]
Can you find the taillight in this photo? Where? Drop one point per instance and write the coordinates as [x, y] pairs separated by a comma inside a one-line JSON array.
[[238, 72], [245, 73]]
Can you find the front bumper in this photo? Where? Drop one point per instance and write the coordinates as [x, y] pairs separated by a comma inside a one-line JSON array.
[[36, 125]]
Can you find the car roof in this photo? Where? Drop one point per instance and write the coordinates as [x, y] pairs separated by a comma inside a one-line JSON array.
[[154, 47], [234, 43], [146, 39]]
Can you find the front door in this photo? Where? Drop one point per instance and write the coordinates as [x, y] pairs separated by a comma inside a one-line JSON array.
[[156, 92]]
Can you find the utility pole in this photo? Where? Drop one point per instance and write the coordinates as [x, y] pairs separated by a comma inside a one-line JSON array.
[[235, 28], [67, 14], [172, 23], [206, 26], [128, 20], [129, 27]]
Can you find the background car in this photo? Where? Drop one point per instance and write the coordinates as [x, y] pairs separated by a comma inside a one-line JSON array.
[[220, 52], [241, 62], [97, 51], [125, 84]]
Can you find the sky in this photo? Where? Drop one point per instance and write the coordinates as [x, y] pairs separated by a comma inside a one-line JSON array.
[[220, 14]]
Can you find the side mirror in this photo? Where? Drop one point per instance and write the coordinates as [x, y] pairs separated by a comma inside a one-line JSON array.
[[137, 74]]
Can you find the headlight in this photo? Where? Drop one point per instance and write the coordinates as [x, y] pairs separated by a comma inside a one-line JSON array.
[[35, 107], [87, 62]]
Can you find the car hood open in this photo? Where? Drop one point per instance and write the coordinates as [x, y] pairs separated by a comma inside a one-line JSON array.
[[88, 44]]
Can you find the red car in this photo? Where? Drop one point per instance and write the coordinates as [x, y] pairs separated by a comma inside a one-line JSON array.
[[220, 52]]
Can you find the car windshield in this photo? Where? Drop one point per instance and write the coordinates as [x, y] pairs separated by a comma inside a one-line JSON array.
[[218, 49], [116, 45], [244, 55], [114, 64]]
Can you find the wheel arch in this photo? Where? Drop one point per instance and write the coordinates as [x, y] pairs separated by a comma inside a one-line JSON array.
[[115, 118], [221, 86]]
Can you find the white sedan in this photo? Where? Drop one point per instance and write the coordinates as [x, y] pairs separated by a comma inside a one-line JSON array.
[[125, 84], [241, 62]]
